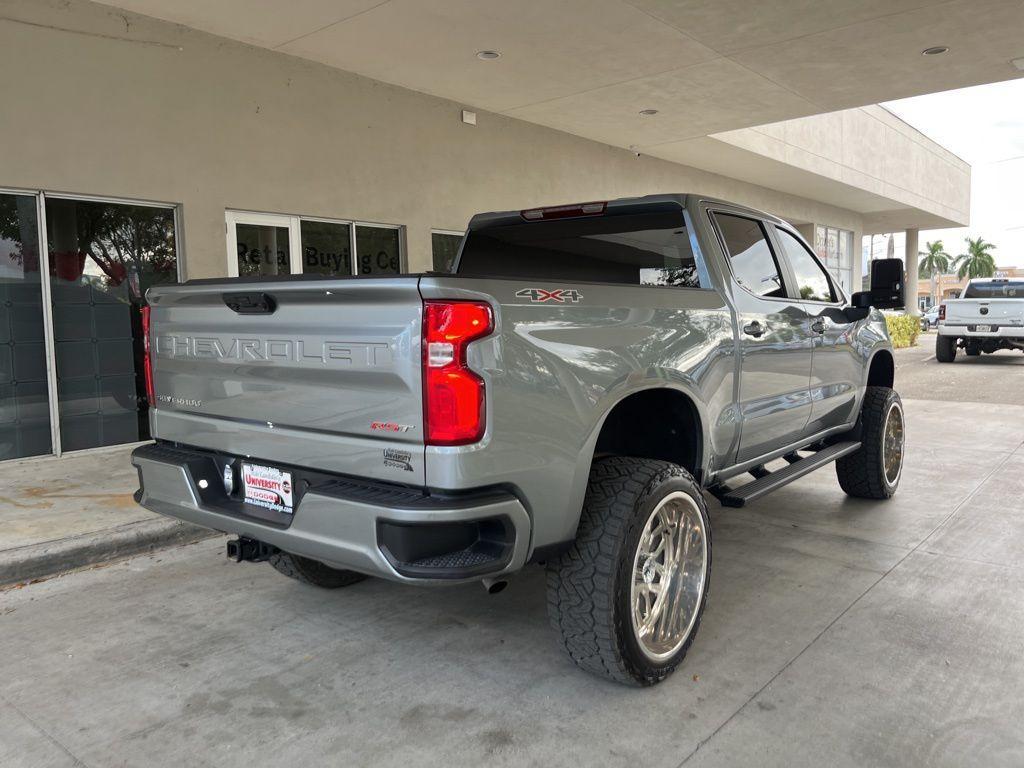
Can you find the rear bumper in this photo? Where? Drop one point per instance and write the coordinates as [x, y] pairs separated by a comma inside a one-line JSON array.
[[386, 531], [1015, 332]]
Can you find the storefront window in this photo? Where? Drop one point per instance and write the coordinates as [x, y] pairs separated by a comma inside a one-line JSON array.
[[445, 247], [378, 250], [262, 250], [326, 247], [835, 249], [281, 244]]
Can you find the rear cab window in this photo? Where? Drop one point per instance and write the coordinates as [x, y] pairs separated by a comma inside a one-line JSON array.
[[996, 289], [753, 263], [631, 249]]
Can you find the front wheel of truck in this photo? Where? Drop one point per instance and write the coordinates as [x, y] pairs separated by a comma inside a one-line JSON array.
[[626, 599], [313, 571], [874, 470]]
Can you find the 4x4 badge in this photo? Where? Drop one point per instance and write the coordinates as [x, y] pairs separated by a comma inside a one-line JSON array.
[[558, 295]]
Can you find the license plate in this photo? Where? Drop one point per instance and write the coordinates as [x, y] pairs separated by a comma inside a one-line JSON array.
[[267, 487], [982, 328]]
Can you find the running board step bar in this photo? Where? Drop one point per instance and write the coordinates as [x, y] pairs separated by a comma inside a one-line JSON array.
[[767, 483]]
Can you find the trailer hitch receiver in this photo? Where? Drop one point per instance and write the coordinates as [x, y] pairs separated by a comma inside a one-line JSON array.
[[251, 550]]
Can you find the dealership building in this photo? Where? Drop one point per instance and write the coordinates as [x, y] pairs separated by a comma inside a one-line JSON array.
[[161, 141]]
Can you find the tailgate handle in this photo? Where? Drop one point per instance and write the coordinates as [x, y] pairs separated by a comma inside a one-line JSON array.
[[250, 303]]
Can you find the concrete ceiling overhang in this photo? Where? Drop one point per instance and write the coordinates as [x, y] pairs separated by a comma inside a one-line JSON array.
[[588, 67]]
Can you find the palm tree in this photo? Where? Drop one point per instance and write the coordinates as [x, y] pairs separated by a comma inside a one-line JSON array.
[[977, 262], [934, 261]]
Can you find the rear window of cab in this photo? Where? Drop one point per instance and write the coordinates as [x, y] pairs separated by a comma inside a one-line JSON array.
[[632, 249], [996, 289]]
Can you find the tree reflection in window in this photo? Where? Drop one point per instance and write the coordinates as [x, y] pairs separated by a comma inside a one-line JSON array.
[[103, 258]]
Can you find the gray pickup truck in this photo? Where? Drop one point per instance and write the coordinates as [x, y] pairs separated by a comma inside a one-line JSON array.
[[565, 397]]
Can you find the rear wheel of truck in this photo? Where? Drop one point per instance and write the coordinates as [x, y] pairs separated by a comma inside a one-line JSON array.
[[627, 597], [313, 571], [873, 471], [945, 348]]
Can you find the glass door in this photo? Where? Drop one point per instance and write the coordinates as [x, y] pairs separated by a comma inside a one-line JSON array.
[[103, 256], [25, 428]]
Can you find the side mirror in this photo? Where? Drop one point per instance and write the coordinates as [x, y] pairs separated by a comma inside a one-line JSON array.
[[860, 306], [861, 300], [887, 284]]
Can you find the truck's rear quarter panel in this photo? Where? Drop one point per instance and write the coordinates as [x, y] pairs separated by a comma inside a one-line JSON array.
[[554, 370]]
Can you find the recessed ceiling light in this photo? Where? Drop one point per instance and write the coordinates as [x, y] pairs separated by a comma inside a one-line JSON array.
[[935, 50], [648, 112], [487, 55]]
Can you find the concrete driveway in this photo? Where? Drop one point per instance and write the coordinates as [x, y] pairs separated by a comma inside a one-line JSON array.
[[839, 632], [995, 378]]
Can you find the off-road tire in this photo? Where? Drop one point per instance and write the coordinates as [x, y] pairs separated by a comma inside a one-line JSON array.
[[945, 348], [862, 473], [589, 585], [313, 571]]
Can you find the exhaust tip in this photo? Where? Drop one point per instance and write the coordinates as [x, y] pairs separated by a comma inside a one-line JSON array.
[[494, 586]]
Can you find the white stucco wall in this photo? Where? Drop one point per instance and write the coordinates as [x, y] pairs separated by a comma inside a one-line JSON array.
[[100, 102], [871, 150]]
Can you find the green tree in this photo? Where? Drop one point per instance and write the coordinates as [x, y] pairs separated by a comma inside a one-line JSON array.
[[934, 262], [978, 261]]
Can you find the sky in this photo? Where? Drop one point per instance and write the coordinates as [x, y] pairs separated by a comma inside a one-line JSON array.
[[984, 125]]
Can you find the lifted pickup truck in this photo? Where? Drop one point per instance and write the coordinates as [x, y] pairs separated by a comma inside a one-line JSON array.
[[565, 397], [988, 316]]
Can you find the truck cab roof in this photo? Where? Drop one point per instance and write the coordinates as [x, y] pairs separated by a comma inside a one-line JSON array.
[[617, 206]]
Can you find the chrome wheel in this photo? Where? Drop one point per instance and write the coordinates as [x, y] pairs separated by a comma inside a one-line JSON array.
[[669, 576], [892, 444]]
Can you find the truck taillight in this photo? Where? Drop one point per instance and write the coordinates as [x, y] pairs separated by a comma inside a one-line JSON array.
[[453, 395], [147, 358], [942, 311]]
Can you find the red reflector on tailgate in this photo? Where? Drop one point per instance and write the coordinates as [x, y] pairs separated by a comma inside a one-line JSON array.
[[147, 358]]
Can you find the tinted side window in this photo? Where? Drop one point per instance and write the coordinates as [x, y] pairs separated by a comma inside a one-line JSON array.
[[750, 255], [637, 249], [811, 281]]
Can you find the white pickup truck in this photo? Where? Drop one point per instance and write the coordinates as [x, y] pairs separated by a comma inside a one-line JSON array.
[[988, 316]]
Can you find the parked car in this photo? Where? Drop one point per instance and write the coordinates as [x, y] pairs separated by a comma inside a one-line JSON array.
[[563, 397], [930, 318], [988, 316]]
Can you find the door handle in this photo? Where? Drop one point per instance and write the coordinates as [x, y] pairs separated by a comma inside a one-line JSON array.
[[818, 326], [250, 303], [755, 329]]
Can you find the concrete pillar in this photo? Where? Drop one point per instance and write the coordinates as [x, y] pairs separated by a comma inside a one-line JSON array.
[[910, 259]]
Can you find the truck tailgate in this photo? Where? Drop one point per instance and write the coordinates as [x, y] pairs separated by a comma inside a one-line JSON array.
[[995, 312], [323, 374]]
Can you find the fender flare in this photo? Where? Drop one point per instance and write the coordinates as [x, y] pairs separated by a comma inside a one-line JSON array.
[[615, 398]]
